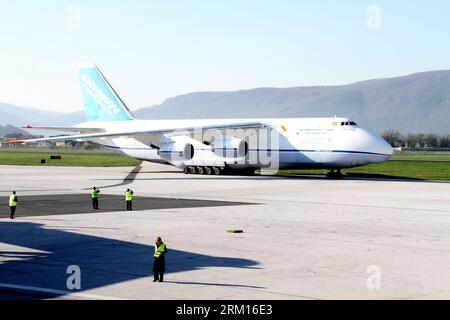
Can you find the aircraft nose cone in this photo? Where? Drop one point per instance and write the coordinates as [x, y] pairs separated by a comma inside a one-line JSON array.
[[379, 148], [373, 143], [384, 147]]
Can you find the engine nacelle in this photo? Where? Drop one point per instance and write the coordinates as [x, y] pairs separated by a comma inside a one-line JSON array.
[[176, 151], [230, 147]]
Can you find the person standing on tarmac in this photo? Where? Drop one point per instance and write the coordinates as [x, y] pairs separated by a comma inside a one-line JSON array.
[[159, 261], [129, 199], [13, 204], [94, 194]]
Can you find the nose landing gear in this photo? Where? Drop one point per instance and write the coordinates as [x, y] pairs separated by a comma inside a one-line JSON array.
[[335, 174]]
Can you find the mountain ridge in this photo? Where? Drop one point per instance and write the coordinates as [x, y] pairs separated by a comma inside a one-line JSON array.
[[411, 103], [419, 102]]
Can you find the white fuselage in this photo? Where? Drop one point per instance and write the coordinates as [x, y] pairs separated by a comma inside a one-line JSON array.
[[330, 143]]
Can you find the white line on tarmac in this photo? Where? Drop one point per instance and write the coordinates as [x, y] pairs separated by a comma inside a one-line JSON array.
[[59, 292]]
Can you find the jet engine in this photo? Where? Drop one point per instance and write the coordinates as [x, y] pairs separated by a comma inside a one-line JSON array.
[[176, 151], [230, 147]]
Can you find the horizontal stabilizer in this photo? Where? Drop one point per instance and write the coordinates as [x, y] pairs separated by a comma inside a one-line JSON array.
[[64, 129], [14, 142]]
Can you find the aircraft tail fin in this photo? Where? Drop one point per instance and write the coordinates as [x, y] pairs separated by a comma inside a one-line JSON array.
[[101, 102]]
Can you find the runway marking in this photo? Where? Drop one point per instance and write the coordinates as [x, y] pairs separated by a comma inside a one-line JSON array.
[[328, 203], [59, 292], [364, 206], [267, 201]]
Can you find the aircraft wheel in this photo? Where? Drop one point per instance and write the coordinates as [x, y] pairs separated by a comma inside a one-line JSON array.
[[208, 171], [216, 171], [186, 170], [200, 170], [192, 170]]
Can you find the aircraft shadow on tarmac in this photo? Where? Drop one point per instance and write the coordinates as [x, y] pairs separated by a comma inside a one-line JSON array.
[[45, 205], [48, 253]]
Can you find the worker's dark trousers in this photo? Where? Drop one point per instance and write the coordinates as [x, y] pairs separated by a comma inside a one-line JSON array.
[[161, 276], [13, 211], [129, 205], [95, 203]]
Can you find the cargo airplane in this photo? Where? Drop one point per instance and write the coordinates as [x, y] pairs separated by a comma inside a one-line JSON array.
[[216, 146]]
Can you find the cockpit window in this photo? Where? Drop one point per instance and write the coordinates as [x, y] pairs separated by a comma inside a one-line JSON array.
[[350, 123]]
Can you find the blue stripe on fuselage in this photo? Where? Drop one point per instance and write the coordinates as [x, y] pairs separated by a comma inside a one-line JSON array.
[[268, 150]]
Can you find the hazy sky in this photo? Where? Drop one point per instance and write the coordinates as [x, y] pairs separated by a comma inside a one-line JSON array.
[[153, 50]]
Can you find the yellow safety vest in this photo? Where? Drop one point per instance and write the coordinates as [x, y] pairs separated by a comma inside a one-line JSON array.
[[160, 250], [94, 193], [12, 202], [128, 196]]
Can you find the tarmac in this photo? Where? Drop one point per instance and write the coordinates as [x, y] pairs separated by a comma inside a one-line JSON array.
[[304, 237]]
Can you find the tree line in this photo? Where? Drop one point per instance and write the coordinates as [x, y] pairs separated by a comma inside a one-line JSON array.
[[416, 140]]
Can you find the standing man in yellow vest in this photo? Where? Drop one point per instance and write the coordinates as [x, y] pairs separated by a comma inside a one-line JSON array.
[[159, 261], [94, 194], [129, 199], [13, 203]]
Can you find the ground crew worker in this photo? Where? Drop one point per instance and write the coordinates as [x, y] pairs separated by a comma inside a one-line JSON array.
[[13, 203], [159, 261], [129, 199], [94, 194]]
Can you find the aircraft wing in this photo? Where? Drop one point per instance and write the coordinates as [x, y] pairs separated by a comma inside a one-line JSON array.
[[130, 134]]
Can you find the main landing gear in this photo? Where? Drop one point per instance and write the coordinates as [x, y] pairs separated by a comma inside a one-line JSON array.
[[335, 174], [217, 171], [204, 170]]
